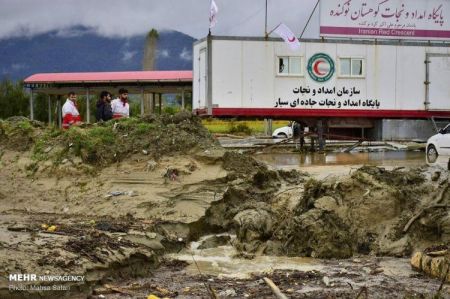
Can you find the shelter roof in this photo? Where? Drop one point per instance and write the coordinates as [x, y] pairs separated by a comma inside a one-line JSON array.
[[110, 77]]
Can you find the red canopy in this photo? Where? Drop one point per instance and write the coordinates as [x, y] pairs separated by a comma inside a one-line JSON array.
[[137, 76]]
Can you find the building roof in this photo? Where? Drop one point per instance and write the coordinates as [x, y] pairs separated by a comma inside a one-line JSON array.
[[110, 77]]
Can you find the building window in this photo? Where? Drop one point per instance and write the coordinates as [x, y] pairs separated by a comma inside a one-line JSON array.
[[351, 67], [289, 65]]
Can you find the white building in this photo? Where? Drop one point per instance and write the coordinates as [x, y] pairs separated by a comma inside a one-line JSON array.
[[381, 86]]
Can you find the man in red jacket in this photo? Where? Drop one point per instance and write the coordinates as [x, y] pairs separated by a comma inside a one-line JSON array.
[[70, 113]]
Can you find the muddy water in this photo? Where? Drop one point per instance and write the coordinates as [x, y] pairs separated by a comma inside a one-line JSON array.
[[222, 261], [299, 277], [388, 158], [323, 164]]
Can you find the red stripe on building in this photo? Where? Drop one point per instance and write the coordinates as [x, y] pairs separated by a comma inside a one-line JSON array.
[[277, 113]]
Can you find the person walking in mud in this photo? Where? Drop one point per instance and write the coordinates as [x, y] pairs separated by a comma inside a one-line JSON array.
[[70, 114], [120, 107], [299, 133], [104, 110]]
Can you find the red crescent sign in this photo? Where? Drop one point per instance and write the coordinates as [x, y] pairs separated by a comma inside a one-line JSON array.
[[316, 67], [291, 39]]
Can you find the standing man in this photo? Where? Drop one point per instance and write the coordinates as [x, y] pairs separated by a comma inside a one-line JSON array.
[[104, 111], [120, 107], [70, 114]]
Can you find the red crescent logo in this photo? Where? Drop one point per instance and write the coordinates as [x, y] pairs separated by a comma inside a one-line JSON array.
[[291, 39], [316, 67]]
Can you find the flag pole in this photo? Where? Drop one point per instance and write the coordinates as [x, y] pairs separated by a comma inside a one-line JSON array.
[[273, 30], [265, 24], [309, 19], [209, 27]]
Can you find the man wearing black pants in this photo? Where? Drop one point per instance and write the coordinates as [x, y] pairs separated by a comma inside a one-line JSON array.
[[104, 111]]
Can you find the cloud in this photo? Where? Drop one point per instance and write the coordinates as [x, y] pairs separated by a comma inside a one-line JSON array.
[[118, 18], [73, 32], [127, 55], [163, 53], [186, 54], [18, 66]]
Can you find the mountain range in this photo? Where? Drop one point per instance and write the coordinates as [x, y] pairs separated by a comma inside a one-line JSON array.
[[81, 49]]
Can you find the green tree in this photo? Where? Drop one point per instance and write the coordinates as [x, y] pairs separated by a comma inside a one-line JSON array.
[[13, 99]]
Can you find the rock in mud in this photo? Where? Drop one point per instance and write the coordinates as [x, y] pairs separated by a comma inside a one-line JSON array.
[[319, 233], [292, 176], [215, 241], [265, 179], [326, 203], [435, 176], [252, 226]]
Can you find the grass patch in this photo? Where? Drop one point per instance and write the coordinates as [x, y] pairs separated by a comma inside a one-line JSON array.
[[144, 128], [246, 127], [109, 142]]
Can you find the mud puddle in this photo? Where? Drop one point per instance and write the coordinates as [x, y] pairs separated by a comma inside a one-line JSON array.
[[225, 261], [323, 164], [190, 273], [387, 158]]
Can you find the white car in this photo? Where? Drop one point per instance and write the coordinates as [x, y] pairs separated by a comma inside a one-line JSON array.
[[439, 144], [283, 132]]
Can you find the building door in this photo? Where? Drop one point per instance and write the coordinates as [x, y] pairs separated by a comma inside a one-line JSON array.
[[439, 78]]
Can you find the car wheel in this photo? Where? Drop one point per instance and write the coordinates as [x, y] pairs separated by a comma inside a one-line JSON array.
[[282, 135], [432, 153]]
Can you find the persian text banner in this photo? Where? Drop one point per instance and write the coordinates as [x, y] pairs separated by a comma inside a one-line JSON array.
[[395, 19]]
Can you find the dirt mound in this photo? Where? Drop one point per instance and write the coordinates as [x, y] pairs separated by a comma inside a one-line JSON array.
[[105, 143], [248, 204], [396, 177], [241, 163], [19, 133], [364, 213], [371, 211]]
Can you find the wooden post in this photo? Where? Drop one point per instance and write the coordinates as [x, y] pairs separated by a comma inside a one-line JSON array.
[[160, 102], [142, 101], [153, 102], [88, 109], [49, 109], [182, 98], [58, 106], [31, 105]]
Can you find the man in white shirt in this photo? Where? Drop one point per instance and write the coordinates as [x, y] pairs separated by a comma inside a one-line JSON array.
[[120, 107], [70, 113]]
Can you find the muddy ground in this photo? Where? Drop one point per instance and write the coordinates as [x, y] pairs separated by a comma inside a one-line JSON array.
[[108, 202], [335, 279]]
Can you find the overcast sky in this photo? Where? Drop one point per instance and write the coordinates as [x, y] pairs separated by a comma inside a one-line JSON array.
[[131, 17]]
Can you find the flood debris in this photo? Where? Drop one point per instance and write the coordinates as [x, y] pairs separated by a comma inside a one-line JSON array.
[[172, 174], [130, 193], [215, 241], [276, 291], [434, 261]]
